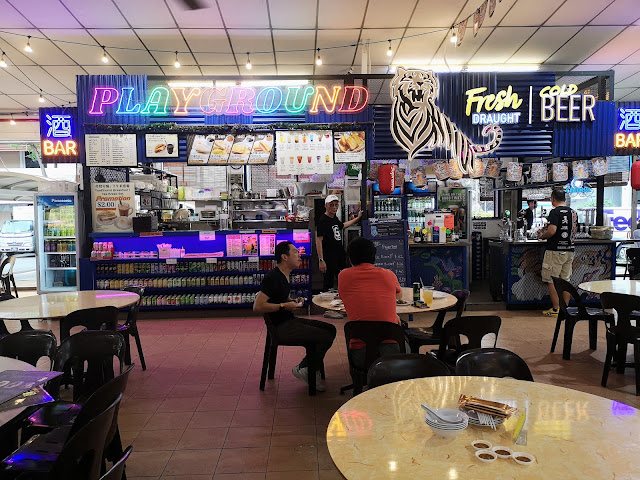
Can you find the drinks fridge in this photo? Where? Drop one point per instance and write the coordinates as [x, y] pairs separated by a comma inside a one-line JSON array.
[[57, 226]]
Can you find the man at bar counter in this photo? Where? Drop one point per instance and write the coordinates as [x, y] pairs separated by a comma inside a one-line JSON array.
[[368, 293], [331, 256], [274, 299], [558, 255]]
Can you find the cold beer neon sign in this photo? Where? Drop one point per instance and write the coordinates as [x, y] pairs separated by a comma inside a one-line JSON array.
[[233, 100]]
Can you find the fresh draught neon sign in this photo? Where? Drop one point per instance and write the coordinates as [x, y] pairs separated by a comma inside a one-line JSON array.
[[235, 100]]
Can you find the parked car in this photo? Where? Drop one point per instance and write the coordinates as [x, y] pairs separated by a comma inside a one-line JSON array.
[[17, 236]]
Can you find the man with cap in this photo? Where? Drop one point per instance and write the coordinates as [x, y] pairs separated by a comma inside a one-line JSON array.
[[331, 255]]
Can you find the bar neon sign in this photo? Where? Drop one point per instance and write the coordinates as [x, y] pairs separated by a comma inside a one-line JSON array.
[[233, 100], [59, 141]]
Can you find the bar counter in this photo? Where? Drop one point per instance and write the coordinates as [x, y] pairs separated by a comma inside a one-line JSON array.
[[515, 270], [443, 265]]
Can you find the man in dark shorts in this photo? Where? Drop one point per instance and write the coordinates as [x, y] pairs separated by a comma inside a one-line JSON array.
[[274, 300], [331, 256]]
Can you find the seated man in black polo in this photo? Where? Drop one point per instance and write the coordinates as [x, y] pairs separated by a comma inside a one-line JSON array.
[[274, 299]]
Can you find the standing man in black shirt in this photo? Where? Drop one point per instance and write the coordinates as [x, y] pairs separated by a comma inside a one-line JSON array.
[[530, 213], [558, 255], [331, 255], [273, 299]]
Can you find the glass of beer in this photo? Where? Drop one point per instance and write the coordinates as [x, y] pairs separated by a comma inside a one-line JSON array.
[[427, 295]]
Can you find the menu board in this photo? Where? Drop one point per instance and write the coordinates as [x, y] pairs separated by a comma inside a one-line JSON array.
[[267, 244], [199, 148], [349, 147], [221, 149], [161, 145], [302, 152], [113, 150], [262, 148], [250, 244], [234, 246], [241, 148], [390, 239], [113, 206]]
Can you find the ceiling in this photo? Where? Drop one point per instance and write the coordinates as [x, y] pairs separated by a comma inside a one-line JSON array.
[[561, 35]]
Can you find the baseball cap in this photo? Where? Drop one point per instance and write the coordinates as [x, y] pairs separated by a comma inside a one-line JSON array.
[[331, 198]]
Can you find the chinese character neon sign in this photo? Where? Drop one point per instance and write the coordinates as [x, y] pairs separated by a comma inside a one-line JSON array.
[[59, 140], [233, 100], [629, 122]]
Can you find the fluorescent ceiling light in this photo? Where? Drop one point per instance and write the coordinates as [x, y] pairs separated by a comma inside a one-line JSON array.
[[439, 68], [503, 68], [189, 84], [261, 83]]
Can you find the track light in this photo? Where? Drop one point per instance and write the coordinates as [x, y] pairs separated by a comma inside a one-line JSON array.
[[389, 50], [13, 122], [41, 99], [105, 59], [319, 59], [3, 64], [248, 65], [177, 62], [27, 47], [454, 36]]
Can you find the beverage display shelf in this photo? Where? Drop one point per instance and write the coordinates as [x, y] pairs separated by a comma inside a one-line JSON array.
[[60, 268], [60, 253], [217, 288], [193, 259], [194, 307], [58, 238], [185, 274]]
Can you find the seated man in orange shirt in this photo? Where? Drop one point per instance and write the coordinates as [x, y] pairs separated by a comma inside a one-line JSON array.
[[368, 293]]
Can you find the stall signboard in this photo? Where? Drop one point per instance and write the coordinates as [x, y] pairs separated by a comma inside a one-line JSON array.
[[226, 98], [392, 246], [112, 150], [349, 147], [302, 152], [627, 137], [161, 145], [113, 206], [234, 245], [59, 134]]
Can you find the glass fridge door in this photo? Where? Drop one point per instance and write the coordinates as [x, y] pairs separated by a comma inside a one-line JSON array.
[[56, 227], [416, 205]]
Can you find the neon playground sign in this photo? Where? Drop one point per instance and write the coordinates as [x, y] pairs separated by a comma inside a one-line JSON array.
[[229, 100]]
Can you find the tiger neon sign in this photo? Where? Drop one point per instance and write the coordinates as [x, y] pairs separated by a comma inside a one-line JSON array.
[[233, 100]]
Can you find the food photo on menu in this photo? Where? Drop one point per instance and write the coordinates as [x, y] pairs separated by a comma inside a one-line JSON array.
[[262, 148], [221, 149], [161, 145], [199, 147], [349, 146], [241, 148]]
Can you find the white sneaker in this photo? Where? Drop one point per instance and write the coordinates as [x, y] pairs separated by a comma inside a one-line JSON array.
[[302, 374], [320, 386], [333, 314]]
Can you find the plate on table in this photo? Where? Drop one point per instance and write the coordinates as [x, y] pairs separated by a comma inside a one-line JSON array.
[[438, 294], [123, 223]]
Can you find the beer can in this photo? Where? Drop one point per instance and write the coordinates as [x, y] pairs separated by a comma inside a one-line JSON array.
[[416, 292]]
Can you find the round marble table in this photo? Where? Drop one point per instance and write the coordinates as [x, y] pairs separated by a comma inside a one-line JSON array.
[[58, 305], [628, 287], [381, 433], [407, 294], [13, 364]]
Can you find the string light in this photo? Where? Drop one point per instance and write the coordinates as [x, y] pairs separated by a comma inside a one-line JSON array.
[[27, 47], [319, 59], [13, 122], [454, 36], [41, 99], [389, 50], [177, 62], [3, 64], [248, 65], [105, 59]]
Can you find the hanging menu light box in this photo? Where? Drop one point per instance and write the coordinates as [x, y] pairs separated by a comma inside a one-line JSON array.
[[115, 150], [349, 147], [302, 152], [229, 149], [161, 145]]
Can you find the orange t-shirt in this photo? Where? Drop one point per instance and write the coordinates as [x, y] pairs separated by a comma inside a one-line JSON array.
[[368, 293]]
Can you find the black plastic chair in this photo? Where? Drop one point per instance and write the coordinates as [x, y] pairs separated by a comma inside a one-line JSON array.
[[373, 334], [621, 334], [404, 366], [130, 327], [91, 319], [633, 263], [29, 346], [80, 457], [271, 345], [475, 328], [572, 315], [493, 362], [117, 470], [419, 336], [24, 324], [95, 347]]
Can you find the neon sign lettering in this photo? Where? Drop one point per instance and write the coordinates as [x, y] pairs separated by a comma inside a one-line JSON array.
[[623, 140], [235, 100], [59, 128], [630, 119], [503, 99], [492, 118], [563, 108]]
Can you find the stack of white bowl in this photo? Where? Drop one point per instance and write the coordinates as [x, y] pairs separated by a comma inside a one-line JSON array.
[[450, 423]]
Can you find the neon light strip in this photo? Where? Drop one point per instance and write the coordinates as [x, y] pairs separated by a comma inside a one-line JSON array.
[[233, 100]]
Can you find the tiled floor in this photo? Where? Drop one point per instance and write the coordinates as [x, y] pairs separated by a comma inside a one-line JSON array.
[[197, 412]]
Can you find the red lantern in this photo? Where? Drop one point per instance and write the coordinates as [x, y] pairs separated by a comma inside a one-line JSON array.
[[387, 179], [635, 176]]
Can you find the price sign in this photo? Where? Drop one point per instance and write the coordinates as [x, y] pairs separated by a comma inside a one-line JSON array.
[[172, 261], [211, 260]]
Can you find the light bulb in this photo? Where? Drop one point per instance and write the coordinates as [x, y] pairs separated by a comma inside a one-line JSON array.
[[27, 47], [3, 64], [248, 65], [13, 122], [454, 36], [177, 62], [41, 99], [389, 50], [105, 59], [319, 59]]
